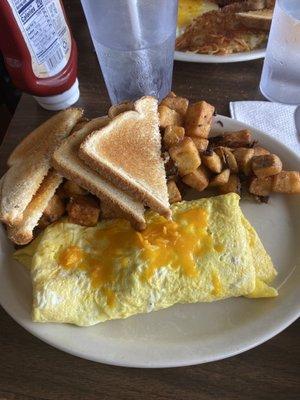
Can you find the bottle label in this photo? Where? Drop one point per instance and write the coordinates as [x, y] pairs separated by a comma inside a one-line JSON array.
[[46, 34]]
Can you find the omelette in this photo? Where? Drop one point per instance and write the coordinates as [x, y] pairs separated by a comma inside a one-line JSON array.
[[207, 252]]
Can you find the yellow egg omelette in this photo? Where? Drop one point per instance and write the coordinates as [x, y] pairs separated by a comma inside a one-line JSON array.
[[208, 252]]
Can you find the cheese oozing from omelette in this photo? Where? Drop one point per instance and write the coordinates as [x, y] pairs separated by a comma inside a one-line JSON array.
[[191, 9], [208, 252]]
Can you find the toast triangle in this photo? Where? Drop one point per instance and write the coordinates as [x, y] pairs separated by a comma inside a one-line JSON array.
[[48, 132], [66, 161], [127, 152]]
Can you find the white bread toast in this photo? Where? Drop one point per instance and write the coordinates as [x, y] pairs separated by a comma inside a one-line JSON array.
[[128, 153], [19, 185], [48, 132], [30, 163], [261, 19], [65, 160], [22, 232]]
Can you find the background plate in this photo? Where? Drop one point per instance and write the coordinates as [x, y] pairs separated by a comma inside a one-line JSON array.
[[206, 58], [183, 334]]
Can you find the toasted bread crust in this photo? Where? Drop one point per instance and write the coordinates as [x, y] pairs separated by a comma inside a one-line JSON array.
[[136, 191], [66, 161], [120, 108], [30, 163], [140, 170], [40, 137], [22, 232], [19, 185]]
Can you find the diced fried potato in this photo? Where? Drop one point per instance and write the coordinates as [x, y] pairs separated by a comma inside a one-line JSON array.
[[54, 210], [287, 182], [232, 186], [72, 189], [60, 192], [198, 179], [227, 158], [169, 117], [261, 186], [83, 210], [212, 161], [185, 156], [171, 169], [120, 108], [173, 135], [200, 143], [198, 119], [109, 211], [260, 151], [179, 104], [266, 165], [237, 139], [243, 158], [220, 179], [173, 191]]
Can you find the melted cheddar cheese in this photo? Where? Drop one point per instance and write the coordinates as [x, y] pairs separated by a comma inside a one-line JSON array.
[[173, 244]]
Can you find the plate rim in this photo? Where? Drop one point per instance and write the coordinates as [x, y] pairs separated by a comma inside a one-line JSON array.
[[103, 360], [210, 59], [285, 322]]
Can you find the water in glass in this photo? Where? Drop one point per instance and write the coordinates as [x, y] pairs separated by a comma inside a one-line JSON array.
[[281, 72], [134, 42]]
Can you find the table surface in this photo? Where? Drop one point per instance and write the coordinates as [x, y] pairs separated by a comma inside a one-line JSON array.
[[31, 369]]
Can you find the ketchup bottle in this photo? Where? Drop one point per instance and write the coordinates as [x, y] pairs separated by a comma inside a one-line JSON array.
[[39, 51]]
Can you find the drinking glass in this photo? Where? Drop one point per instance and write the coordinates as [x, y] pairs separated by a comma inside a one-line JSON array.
[[134, 41], [280, 79]]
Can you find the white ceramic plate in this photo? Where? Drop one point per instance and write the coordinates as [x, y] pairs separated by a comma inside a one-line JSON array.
[[183, 334], [206, 58]]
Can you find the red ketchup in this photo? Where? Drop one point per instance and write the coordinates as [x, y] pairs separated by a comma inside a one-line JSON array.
[[39, 51]]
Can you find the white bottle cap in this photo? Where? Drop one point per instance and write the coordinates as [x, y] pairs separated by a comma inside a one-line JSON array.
[[60, 101]]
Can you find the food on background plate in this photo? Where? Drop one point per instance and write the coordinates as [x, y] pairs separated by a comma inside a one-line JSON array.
[[260, 19], [188, 10], [208, 252], [236, 27]]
